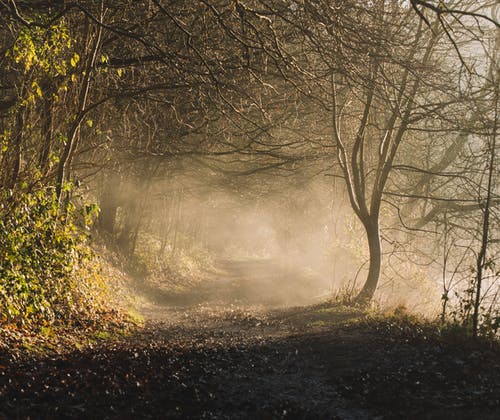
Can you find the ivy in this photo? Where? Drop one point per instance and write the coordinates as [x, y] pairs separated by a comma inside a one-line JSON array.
[[41, 255]]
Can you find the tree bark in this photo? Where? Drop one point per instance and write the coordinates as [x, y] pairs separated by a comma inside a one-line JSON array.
[[109, 203], [481, 258], [47, 131], [375, 250], [71, 142]]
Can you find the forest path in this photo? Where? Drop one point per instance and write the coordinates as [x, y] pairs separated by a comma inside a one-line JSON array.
[[247, 352], [227, 357], [246, 283]]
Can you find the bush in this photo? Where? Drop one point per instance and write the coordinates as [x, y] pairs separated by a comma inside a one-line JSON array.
[[45, 263]]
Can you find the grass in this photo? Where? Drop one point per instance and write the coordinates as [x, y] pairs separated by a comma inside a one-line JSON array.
[[134, 316]]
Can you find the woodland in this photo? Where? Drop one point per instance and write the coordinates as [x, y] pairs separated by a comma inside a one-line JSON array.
[[242, 208]]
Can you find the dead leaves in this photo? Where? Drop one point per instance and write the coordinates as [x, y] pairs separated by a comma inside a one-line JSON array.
[[230, 361]]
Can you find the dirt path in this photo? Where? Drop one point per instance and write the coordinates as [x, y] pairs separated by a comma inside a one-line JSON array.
[[217, 354], [245, 283]]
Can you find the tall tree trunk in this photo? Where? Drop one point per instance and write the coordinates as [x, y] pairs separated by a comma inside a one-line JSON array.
[[375, 250], [18, 138], [109, 203], [12, 157], [47, 128], [126, 237], [481, 258]]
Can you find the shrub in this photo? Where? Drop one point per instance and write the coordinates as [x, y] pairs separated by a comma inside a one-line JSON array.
[[45, 262]]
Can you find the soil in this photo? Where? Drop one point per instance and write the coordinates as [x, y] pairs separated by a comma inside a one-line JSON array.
[[229, 350]]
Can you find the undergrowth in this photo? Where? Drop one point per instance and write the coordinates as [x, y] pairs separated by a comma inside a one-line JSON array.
[[171, 270], [47, 271], [399, 318]]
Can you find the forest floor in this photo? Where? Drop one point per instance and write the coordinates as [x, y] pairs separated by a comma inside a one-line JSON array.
[[219, 352]]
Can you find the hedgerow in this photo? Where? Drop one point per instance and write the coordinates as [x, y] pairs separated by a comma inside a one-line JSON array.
[[47, 271]]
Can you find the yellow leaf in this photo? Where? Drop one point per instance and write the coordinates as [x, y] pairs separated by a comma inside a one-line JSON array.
[[36, 87], [74, 60]]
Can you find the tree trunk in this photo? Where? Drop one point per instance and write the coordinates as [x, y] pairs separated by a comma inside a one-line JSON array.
[[375, 249], [107, 215], [485, 232], [71, 142], [12, 157], [47, 128], [109, 203], [18, 138], [126, 237]]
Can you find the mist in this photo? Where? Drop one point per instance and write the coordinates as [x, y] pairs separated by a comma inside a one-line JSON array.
[[206, 237], [250, 209]]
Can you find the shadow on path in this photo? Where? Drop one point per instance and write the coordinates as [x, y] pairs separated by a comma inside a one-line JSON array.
[[216, 354]]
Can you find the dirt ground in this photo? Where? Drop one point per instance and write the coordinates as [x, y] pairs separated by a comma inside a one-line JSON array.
[[231, 350]]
